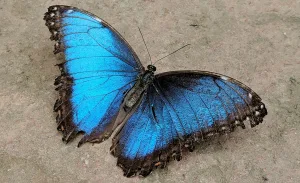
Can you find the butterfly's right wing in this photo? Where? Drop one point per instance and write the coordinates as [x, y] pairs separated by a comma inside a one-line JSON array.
[[178, 110]]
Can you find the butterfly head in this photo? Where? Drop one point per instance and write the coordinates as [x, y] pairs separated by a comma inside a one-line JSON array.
[[151, 68], [147, 77]]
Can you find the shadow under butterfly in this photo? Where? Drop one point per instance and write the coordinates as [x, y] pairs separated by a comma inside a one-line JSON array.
[[103, 85]]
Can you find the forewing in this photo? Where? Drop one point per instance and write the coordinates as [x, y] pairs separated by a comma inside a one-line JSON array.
[[180, 109], [99, 68]]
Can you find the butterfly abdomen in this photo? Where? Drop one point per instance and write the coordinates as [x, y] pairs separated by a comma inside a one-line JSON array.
[[132, 97]]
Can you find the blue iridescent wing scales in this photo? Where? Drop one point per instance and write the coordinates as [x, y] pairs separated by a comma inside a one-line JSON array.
[[99, 68], [180, 109]]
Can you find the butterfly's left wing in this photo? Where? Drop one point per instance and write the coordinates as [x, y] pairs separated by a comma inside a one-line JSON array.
[[99, 68], [179, 109]]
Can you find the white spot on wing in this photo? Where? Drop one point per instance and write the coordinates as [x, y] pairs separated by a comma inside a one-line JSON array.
[[98, 19], [224, 78], [69, 11], [250, 95]]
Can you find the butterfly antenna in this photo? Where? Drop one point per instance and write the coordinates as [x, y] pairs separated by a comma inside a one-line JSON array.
[[172, 53], [145, 45]]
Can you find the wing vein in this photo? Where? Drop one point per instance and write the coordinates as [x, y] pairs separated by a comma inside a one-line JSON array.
[[237, 109], [162, 96], [63, 102], [200, 99], [125, 60], [97, 22], [195, 114], [237, 93]]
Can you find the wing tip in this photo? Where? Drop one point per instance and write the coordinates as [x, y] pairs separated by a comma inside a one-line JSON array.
[[53, 22]]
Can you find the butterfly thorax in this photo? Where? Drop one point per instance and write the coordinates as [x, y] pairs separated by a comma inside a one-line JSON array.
[[135, 93]]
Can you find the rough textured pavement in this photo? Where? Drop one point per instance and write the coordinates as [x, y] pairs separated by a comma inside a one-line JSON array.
[[254, 41]]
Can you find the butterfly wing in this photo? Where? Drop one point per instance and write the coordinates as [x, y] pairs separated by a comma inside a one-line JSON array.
[[179, 109], [99, 68]]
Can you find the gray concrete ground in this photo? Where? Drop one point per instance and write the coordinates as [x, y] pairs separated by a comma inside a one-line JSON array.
[[254, 41]]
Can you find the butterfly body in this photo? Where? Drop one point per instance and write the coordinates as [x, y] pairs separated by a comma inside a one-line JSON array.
[[103, 85], [143, 81]]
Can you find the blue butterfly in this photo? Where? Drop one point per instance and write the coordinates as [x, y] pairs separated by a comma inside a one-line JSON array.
[[103, 85]]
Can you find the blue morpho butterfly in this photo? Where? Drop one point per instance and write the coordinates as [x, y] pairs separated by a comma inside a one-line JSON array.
[[103, 84]]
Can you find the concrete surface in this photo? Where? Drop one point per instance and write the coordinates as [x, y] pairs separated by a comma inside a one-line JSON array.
[[254, 41]]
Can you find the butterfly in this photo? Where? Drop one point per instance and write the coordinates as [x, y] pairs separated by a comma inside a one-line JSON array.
[[103, 86]]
